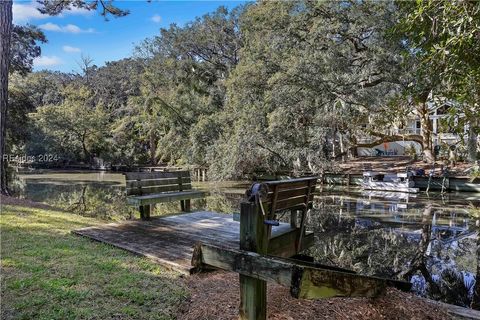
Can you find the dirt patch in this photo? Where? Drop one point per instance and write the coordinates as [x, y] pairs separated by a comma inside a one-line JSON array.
[[216, 296]]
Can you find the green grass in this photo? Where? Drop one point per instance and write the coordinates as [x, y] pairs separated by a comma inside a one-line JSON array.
[[49, 273]]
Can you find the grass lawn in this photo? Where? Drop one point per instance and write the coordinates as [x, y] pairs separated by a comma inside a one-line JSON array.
[[48, 273]]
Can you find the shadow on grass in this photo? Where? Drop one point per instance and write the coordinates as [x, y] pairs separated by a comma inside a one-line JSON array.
[[48, 273]]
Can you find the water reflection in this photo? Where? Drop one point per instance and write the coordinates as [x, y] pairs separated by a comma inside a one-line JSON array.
[[428, 240]]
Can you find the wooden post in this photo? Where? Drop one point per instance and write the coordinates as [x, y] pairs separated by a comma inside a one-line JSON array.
[[145, 212], [271, 212], [180, 188], [253, 292], [293, 218], [303, 217]]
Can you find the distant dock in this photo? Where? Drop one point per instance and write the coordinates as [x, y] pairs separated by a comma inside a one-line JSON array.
[[450, 183]]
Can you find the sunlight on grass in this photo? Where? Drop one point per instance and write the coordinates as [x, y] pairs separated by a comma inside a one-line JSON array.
[[49, 273]]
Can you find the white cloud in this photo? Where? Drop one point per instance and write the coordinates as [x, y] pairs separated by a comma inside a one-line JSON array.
[[156, 18], [72, 28], [70, 49], [46, 61], [25, 12], [50, 27], [69, 28]]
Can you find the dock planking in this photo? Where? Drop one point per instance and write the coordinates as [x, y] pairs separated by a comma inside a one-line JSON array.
[[170, 240]]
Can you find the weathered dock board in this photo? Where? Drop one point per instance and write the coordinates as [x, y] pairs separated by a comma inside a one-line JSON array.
[[170, 240]]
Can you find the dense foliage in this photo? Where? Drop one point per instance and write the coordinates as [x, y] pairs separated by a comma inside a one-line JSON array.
[[446, 39], [267, 86]]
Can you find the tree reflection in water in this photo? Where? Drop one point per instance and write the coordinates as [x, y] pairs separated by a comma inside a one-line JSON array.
[[431, 245]]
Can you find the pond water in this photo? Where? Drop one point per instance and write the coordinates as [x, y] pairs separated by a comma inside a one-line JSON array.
[[430, 240]]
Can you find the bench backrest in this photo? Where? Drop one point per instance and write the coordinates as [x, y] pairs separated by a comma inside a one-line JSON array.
[[144, 183], [290, 194]]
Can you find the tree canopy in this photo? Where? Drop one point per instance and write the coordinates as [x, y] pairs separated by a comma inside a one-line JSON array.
[[266, 86]]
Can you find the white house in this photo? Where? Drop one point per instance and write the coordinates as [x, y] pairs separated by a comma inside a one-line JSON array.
[[438, 110]]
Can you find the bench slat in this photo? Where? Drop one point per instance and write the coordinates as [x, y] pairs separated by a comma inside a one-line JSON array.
[[164, 197], [293, 203], [291, 193], [156, 190], [156, 182], [292, 182], [155, 175]]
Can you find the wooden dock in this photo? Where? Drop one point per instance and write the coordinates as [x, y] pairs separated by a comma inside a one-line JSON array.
[[451, 183], [170, 240]]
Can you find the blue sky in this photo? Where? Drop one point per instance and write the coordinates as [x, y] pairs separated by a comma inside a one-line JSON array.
[[78, 32]]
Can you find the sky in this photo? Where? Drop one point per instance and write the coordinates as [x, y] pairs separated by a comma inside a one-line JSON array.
[[80, 32]]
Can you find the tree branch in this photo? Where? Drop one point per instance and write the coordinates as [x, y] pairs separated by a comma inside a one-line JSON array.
[[382, 138], [273, 152]]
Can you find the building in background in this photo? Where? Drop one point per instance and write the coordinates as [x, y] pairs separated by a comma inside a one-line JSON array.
[[441, 133]]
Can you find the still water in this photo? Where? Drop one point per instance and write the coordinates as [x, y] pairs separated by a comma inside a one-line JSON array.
[[430, 240]]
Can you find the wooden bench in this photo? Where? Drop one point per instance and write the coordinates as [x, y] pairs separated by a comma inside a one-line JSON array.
[[145, 189], [291, 197]]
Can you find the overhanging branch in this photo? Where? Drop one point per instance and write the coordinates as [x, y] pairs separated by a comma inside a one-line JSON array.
[[382, 138]]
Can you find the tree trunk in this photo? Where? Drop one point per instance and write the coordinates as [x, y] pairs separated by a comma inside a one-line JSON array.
[[153, 148], [421, 252], [342, 147], [419, 261], [87, 154], [333, 144], [426, 132], [354, 150], [5, 36], [472, 141]]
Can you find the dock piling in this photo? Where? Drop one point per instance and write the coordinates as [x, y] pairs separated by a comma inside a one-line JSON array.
[[253, 238]]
